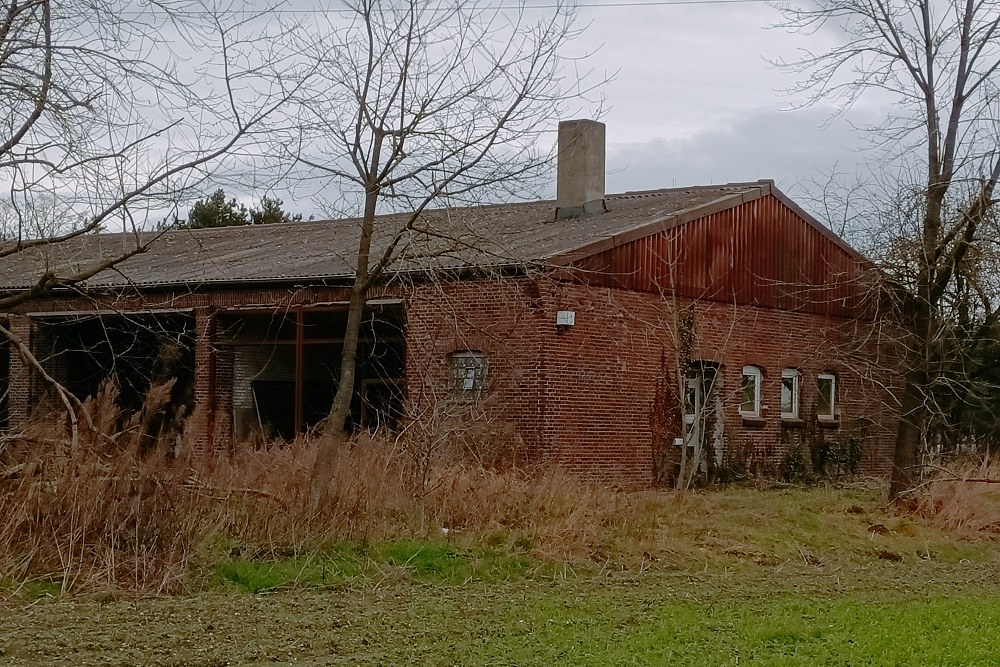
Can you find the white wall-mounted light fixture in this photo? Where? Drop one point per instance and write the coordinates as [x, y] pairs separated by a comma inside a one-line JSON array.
[[565, 318]]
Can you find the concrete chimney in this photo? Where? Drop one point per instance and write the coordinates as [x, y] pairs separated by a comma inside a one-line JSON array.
[[580, 169]]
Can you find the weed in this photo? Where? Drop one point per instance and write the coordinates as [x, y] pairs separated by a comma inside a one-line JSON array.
[[348, 563], [254, 576], [963, 498], [795, 466], [33, 589]]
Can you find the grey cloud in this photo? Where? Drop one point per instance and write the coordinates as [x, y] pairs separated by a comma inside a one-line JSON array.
[[792, 147]]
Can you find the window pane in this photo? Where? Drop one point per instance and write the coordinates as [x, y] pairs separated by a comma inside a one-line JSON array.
[[468, 372], [827, 387], [690, 399], [748, 394], [787, 395], [790, 393]]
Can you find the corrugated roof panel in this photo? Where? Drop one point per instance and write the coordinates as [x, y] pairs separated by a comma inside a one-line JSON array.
[[700, 241], [493, 235]]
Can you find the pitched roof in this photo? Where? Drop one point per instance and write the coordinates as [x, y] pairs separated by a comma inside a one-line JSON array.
[[497, 235]]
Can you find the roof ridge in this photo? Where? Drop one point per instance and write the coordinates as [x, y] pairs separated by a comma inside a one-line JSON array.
[[491, 206], [635, 194]]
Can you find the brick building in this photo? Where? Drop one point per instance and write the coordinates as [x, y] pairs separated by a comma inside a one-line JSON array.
[[614, 335]]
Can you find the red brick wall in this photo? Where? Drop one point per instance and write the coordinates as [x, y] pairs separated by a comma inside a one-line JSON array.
[[583, 396], [205, 378], [774, 340], [500, 319]]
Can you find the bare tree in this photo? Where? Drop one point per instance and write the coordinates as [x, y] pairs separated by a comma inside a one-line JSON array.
[[939, 63], [110, 111], [103, 126], [418, 104]]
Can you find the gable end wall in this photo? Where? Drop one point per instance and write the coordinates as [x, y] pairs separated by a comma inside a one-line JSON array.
[[583, 397], [757, 253]]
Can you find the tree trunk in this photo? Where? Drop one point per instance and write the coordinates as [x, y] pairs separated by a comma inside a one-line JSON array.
[[905, 460], [336, 421], [334, 438], [334, 428], [905, 471]]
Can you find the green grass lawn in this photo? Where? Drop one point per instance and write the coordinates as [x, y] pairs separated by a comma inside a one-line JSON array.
[[927, 614], [657, 623], [734, 577]]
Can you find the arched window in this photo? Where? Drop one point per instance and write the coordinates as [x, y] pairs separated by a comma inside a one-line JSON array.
[[791, 381], [468, 373], [750, 391], [826, 398]]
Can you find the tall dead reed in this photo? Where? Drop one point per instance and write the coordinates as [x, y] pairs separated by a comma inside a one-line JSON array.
[[131, 508], [963, 498]]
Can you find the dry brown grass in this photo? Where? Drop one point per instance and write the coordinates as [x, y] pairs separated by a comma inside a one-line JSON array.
[[963, 498], [128, 510], [123, 511]]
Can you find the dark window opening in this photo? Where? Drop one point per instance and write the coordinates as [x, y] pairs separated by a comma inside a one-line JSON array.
[[286, 368], [136, 351]]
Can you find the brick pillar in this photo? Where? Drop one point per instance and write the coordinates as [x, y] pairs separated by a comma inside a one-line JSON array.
[[224, 368], [204, 379], [19, 399]]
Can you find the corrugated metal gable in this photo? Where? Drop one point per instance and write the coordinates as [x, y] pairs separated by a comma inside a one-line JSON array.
[[760, 252]]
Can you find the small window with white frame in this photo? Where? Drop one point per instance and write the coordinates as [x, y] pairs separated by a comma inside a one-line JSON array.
[[791, 381], [826, 399], [750, 391], [468, 373]]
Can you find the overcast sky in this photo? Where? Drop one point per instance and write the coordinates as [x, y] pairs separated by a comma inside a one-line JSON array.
[[694, 98]]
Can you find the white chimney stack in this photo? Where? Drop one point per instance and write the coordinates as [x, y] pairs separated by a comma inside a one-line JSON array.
[[580, 169]]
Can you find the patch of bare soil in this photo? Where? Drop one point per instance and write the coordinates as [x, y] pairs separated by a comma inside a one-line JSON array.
[[409, 622], [208, 630]]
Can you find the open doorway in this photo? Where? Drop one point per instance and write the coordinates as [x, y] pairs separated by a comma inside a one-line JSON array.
[[703, 420]]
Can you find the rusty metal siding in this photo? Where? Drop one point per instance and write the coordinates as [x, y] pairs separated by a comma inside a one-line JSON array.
[[757, 253]]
